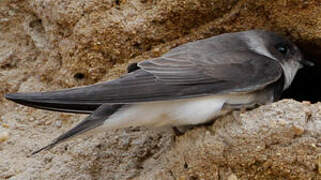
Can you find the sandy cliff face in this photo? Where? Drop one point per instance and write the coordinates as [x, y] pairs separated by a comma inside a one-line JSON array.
[[46, 45]]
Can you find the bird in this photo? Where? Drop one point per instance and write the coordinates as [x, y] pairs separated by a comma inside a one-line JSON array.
[[192, 84]]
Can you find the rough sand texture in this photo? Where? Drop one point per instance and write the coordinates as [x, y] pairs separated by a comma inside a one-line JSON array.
[[47, 44]]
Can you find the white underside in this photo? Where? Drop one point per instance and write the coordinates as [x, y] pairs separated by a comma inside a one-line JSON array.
[[194, 110], [174, 113]]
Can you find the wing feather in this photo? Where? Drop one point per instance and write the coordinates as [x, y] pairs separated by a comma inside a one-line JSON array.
[[192, 70]]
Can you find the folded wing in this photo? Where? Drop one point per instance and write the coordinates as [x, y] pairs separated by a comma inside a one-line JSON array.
[[191, 71]]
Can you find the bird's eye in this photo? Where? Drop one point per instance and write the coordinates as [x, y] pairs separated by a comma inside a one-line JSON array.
[[282, 48]]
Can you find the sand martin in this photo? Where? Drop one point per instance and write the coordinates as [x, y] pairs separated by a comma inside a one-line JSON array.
[[191, 84]]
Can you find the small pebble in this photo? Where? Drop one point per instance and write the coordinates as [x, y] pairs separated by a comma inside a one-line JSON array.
[[283, 122], [4, 136], [156, 50], [232, 177], [298, 130], [58, 124], [267, 164], [5, 125], [48, 122]]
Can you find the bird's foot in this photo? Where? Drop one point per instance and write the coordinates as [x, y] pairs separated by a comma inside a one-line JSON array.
[[181, 130]]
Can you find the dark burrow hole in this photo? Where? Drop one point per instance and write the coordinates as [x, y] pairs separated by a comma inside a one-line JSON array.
[[37, 26], [306, 85], [37, 22], [79, 76]]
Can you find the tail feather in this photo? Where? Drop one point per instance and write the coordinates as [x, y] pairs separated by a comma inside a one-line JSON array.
[[92, 121], [40, 100]]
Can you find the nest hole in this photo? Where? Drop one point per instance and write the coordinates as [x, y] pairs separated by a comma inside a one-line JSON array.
[[306, 85]]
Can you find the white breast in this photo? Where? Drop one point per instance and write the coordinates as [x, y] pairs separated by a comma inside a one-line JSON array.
[[290, 69], [174, 113]]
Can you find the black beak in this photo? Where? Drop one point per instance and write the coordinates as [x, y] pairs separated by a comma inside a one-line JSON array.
[[307, 63]]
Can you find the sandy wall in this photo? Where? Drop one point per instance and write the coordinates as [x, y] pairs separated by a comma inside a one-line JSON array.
[[47, 45]]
